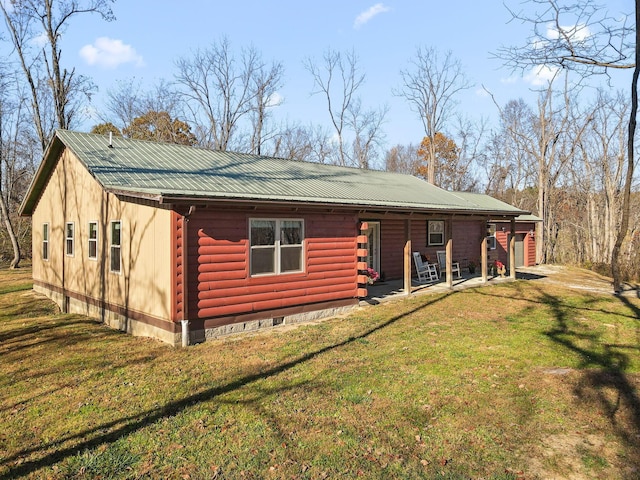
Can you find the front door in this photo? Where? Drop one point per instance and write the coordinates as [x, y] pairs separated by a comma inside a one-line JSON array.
[[519, 249], [373, 246]]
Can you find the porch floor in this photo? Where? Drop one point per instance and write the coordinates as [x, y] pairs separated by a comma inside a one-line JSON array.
[[392, 289]]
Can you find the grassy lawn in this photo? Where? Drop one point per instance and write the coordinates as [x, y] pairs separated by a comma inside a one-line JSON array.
[[518, 380]]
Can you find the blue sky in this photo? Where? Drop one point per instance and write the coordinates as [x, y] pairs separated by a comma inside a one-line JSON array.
[[149, 35]]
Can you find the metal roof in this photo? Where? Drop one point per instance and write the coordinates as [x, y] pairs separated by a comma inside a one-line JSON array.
[[171, 173]]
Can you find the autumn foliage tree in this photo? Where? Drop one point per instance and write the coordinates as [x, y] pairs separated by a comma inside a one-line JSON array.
[[446, 155], [160, 127]]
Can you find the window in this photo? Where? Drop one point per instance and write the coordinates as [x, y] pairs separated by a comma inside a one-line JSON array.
[[114, 250], [93, 240], [68, 235], [45, 241], [435, 232], [276, 246], [491, 236]]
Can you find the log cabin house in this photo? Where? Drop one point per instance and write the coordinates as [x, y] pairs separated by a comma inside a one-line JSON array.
[[184, 244]]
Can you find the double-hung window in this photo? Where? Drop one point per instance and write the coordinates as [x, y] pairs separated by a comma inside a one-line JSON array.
[[93, 240], [45, 241], [115, 246], [435, 232], [491, 236], [276, 246], [69, 238]]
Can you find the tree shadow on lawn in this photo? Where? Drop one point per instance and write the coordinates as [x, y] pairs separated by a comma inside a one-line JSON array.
[[112, 431], [604, 384]]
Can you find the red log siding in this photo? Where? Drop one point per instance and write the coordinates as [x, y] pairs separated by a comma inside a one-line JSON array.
[[467, 237], [220, 283], [392, 248], [530, 249], [466, 243], [501, 252]]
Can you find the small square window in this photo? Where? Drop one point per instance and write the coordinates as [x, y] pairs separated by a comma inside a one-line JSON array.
[[435, 232]]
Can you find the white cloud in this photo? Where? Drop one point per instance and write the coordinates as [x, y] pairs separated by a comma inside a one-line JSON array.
[[367, 15], [40, 40], [541, 75], [275, 99], [509, 80], [110, 53], [576, 33]]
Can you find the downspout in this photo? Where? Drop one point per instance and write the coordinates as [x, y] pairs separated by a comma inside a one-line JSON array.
[[185, 277]]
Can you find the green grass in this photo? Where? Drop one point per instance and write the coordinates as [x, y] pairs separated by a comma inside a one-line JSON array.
[[451, 386]]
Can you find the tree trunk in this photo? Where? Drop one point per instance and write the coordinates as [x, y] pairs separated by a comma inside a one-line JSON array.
[[4, 210], [626, 195]]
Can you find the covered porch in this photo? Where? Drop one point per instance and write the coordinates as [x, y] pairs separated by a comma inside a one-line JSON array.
[[386, 290], [388, 244]]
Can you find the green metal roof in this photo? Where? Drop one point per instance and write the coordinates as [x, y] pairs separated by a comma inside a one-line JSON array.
[[172, 173]]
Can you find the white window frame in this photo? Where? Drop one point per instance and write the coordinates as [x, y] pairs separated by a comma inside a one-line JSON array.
[[46, 231], [115, 247], [69, 240], [278, 247], [433, 223], [492, 243], [93, 241]]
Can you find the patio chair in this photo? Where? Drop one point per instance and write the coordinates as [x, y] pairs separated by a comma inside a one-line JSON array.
[[427, 272], [442, 263]]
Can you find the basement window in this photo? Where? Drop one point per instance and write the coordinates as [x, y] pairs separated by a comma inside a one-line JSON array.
[[276, 246]]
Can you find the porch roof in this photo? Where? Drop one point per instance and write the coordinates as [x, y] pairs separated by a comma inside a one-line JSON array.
[[170, 173]]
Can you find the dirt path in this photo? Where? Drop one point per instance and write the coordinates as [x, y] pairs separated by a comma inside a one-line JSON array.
[[577, 279]]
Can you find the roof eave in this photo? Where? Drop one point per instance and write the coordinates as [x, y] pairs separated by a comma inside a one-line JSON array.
[[40, 178], [190, 199]]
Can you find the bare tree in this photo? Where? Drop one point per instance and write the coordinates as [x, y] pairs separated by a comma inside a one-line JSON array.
[[16, 157], [430, 85], [266, 83], [357, 130], [599, 174], [583, 36], [510, 165], [471, 138], [402, 159], [53, 88], [221, 90], [128, 100]]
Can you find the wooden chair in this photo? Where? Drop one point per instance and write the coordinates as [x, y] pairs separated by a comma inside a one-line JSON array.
[[442, 263], [427, 272]]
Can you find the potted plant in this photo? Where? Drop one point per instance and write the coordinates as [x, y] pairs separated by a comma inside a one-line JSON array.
[[372, 275], [500, 268], [472, 267]]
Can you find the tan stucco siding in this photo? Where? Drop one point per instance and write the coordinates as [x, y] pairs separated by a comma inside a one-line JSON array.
[[73, 195]]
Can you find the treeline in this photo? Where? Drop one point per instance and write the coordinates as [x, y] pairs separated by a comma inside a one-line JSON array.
[[563, 157]]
